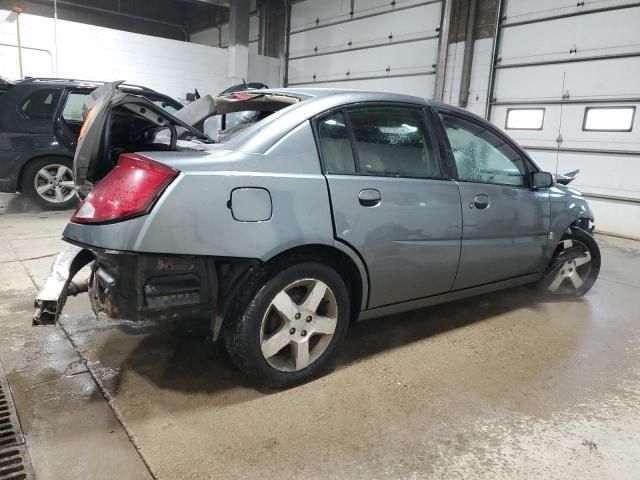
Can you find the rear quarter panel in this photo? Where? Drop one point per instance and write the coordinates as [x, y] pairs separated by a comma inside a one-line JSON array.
[[194, 216]]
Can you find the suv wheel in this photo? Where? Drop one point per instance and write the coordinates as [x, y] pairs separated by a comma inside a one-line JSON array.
[[49, 183], [575, 265], [288, 329]]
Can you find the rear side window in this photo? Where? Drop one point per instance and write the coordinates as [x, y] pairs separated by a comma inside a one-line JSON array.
[[393, 141], [335, 144], [41, 104], [72, 111], [482, 156]]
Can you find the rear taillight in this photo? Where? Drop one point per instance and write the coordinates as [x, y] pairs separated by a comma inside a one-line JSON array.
[[129, 190]]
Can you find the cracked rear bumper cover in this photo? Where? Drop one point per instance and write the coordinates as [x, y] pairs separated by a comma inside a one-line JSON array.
[[53, 295]]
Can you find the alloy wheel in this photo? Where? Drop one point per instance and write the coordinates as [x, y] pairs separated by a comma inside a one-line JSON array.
[[298, 325], [54, 183], [573, 272]]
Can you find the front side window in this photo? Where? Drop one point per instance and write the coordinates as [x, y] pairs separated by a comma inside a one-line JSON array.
[[41, 104], [482, 156], [72, 111], [393, 141], [335, 145]]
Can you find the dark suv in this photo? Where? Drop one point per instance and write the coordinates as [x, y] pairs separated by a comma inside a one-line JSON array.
[[40, 119]]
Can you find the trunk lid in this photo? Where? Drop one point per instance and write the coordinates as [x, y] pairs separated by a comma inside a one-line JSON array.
[[116, 122]]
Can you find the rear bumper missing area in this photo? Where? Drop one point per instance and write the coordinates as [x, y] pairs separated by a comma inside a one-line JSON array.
[[138, 286], [132, 286]]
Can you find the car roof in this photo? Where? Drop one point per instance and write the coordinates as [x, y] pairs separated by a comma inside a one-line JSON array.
[[71, 82], [354, 95]]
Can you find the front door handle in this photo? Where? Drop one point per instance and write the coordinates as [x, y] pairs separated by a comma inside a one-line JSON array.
[[369, 197], [481, 201]]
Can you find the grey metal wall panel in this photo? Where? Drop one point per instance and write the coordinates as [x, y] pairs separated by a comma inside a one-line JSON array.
[[367, 44]]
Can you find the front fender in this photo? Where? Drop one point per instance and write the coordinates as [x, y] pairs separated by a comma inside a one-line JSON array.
[[568, 207]]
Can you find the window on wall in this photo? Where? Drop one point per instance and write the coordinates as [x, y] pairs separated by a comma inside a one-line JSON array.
[[524, 118], [335, 144], [608, 119], [480, 155], [393, 141]]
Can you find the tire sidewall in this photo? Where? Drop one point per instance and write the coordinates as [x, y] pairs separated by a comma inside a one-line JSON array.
[[29, 189], [249, 322]]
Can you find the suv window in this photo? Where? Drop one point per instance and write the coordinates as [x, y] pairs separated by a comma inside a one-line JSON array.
[[41, 104], [72, 111], [482, 156], [393, 141], [335, 144]]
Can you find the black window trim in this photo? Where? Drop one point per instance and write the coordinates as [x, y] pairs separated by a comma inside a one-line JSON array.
[[430, 130], [510, 109], [602, 107], [529, 166]]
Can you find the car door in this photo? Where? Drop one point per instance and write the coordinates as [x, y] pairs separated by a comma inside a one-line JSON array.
[[392, 200], [505, 222], [69, 117]]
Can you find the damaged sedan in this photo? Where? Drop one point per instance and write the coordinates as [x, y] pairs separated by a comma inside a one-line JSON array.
[[293, 212]]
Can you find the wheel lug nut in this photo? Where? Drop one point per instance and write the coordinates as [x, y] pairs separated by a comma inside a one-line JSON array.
[[571, 269], [303, 333], [561, 272], [292, 331], [309, 319], [297, 316]]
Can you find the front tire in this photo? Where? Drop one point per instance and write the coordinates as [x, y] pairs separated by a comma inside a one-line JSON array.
[[289, 325], [48, 181], [574, 266]]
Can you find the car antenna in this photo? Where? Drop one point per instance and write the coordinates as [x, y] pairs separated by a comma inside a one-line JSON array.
[[246, 87], [196, 93]]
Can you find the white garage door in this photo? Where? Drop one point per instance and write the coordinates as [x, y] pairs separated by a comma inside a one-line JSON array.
[[566, 86], [385, 45]]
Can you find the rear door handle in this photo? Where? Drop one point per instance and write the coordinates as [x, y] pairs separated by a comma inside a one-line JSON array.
[[481, 201], [369, 197]]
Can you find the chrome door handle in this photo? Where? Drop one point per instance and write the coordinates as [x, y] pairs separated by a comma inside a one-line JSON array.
[[369, 197], [481, 201]]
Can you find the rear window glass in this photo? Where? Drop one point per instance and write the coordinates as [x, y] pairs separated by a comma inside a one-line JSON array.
[[393, 141], [41, 104]]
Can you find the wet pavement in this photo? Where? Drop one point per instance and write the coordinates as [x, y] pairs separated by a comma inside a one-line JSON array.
[[503, 386]]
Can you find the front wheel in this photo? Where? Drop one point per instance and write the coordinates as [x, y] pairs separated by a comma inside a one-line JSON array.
[[289, 327], [575, 265]]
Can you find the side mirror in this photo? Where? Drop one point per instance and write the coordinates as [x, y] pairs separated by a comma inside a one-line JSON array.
[[541, 180]]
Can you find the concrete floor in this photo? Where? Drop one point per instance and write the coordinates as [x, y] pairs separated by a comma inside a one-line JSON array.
[[504, 386]]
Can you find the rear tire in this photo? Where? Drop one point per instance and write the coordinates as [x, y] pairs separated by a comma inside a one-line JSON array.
[[288, 326], [575, 265], [48, 182]]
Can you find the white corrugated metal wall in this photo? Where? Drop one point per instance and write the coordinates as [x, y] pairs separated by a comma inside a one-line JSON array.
[[365, 44], [568, 59]]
